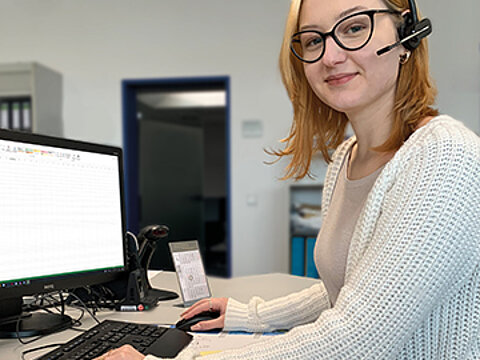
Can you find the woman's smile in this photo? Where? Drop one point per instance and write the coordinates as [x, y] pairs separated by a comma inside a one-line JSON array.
[[340, 79]]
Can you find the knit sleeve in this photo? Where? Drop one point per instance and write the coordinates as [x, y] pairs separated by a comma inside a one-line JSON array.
[[423, 248], [282, 313], [260, 316]]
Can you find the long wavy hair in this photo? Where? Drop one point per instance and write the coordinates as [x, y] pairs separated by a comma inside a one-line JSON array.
[[317, 127]]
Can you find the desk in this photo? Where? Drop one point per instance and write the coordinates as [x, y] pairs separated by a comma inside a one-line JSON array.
[[267, 286]]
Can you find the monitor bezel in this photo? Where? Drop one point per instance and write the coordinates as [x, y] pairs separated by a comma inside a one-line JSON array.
[[57, 283]]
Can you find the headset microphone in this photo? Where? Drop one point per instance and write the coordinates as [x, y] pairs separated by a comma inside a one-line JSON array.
[[422, 29], [411, 31]]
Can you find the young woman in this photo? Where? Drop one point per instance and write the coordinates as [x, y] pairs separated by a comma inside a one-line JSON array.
[[399, 248]]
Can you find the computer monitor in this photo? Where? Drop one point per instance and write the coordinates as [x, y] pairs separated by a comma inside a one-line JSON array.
[[61, 223]]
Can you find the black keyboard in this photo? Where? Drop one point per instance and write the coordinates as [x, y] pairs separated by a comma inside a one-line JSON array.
[[110, 334]]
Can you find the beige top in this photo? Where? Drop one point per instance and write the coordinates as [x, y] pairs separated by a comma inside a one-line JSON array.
[[333, 241]]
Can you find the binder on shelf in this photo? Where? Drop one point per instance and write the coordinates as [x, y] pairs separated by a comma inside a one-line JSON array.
[[298, 256], [310, 268], [16, 121], [4, 118], [16, 114], [26, 116]]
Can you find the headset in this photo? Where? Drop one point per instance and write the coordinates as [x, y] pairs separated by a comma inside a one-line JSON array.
[[411, 31]]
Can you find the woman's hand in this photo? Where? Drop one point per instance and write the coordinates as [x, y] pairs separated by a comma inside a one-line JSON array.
[[213, 304], [125, 352]]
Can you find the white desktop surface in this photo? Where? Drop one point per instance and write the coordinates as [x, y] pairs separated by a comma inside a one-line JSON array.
[[267, 286]]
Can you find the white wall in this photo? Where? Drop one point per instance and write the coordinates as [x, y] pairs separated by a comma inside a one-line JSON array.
[[97, 43], [455, 56]]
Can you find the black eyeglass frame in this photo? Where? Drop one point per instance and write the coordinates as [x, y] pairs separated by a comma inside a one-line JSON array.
[[331, 33]]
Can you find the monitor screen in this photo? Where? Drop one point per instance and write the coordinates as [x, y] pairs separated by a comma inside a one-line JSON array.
[[61, 214]]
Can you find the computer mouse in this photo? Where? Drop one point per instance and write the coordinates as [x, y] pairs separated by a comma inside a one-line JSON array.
[[186, 324]]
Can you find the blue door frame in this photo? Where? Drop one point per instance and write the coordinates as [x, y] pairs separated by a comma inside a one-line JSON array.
[[130, 141]]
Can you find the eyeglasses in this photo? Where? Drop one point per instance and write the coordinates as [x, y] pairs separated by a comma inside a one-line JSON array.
[[350, 33]]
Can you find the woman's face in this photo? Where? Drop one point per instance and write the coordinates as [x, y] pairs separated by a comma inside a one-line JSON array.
[[352, 81]]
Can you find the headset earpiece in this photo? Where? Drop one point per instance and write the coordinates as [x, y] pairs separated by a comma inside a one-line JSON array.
[[410, 30], [406, 28]]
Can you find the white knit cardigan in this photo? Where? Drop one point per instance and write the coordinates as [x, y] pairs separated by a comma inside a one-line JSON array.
[[412, 282]]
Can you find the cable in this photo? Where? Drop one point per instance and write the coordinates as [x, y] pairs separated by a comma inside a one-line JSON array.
[[85, 307], [43, 298], [39, 348], [134, 238], [75, 322], [19, 337], [96, 297]]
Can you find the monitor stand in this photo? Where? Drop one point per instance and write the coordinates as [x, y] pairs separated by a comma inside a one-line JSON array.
[[30, 324]]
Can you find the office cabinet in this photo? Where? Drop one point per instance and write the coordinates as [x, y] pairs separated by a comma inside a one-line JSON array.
[[305, 222], [31, 98]]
